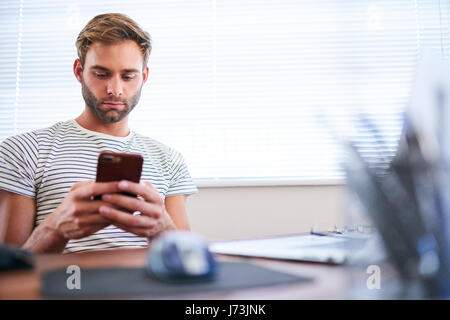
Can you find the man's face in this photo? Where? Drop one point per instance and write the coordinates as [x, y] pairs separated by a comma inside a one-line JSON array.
[[112, 79]]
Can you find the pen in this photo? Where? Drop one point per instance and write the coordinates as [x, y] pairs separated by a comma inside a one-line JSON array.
[[339, 235], [331, 234], [318, 234]]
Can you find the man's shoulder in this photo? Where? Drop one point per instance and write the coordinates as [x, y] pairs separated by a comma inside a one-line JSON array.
[[153, 144], [34, 138], [60, 127], [158, 150], [46, 131]]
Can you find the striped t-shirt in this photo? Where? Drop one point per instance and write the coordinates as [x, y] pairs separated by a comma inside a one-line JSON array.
[[44, 164]]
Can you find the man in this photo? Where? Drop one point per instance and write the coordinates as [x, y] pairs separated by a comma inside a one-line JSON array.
[[47, 176]]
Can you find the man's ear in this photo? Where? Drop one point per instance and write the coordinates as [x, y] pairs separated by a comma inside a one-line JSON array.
[[145, 74], [78, 69]]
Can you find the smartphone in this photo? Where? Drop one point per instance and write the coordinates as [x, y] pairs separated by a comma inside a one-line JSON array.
[[114, 166]]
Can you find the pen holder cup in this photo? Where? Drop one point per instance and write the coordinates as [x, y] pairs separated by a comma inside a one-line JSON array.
[[409, 210]]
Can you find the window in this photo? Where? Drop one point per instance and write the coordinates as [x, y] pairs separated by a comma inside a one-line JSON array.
[[236, 85]]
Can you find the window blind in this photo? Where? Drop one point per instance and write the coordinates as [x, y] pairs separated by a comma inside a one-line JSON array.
[[240, 87]]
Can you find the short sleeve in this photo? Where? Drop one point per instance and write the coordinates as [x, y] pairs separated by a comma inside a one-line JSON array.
[[18, 163], [180, 179]]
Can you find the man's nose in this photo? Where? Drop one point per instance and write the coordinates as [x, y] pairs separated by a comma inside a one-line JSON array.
[[114, 86]]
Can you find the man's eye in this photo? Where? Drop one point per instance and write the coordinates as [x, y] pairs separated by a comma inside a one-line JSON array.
[[129, 76], [101, 75]]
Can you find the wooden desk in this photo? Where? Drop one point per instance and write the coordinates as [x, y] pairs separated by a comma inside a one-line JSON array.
[[330, 282]]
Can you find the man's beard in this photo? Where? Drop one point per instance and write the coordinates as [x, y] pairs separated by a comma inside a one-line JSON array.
[[108, 116]]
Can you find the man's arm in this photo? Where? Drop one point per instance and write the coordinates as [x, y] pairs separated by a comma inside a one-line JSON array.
[[176, 208], [76, 217], [17, 214]]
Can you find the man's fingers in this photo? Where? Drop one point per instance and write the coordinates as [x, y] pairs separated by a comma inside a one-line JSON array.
[[147, 191], [126, 219], [92, 219], [90, 189], [83, 207], [81, 184], [132, 205]]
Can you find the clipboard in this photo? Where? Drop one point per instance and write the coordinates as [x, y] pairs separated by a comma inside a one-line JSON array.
[[329, 248]]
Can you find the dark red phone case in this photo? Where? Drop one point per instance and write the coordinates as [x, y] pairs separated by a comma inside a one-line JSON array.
[[114, 166]]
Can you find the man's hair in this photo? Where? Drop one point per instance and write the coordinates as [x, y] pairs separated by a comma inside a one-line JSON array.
[[111, 28]]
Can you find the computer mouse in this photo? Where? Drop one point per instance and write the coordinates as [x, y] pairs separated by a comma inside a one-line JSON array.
[[181, 256]]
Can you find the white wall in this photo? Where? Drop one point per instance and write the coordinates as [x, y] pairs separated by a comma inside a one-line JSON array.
[[224, 213]]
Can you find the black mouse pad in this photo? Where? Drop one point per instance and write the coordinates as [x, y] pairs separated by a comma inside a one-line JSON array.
[[123, 282]]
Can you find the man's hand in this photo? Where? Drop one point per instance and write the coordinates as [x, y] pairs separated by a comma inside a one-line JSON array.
[[77, 215], [153, 217]]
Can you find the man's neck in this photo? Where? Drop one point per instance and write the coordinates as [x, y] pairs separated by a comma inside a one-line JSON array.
[[90, 122]]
